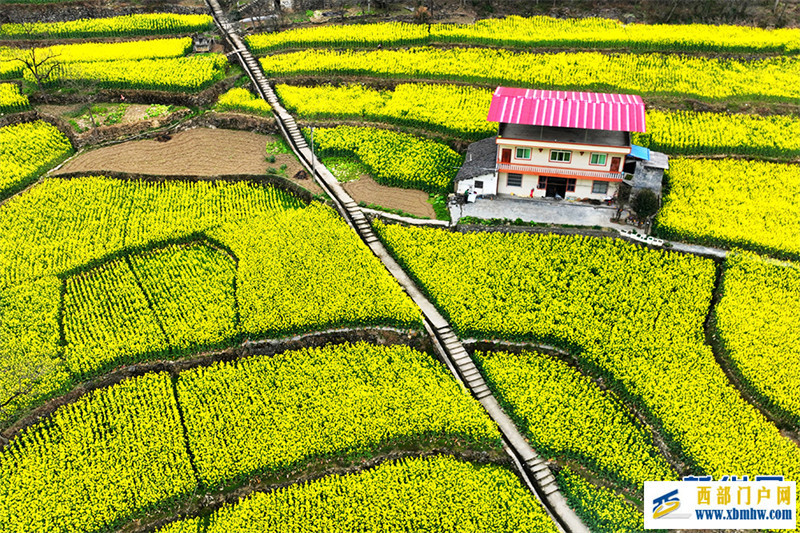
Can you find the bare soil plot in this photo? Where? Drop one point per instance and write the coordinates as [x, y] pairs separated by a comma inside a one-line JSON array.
[[410, 201], [197, 152], [58, 110], [107, 114]]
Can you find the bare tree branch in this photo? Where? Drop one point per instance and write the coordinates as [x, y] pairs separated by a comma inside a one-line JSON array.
[[40, 62]]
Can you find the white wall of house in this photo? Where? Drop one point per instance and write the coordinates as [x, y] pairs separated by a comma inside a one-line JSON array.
[[580, 155], [486, 184], [530, 182], [583, 189]]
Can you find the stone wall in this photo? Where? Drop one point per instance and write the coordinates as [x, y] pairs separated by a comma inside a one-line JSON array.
[[32, 116], [175, 122], [510, 228], [103, 134], [204, 98], [78, 10], [236, 121], [647, 178]]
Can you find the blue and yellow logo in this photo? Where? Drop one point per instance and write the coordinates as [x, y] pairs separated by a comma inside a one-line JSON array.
[[665, 504]]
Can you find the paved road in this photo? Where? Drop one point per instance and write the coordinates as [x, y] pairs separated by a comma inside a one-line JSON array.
[[543, 211], [560, 212]]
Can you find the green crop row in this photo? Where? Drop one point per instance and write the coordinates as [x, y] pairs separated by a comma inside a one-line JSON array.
[[546, 32], [757, 323], [602, 509], [92, 52], [449, 109], [112, 453], [127, 25], [270, 414], [157, 64], [461, 111], [299, 270], [182, 74], [728, 203], [171, 301], [394, 159], [118, 452], [27, 150], [565, 414], [30, 350], [11, 100], [242, 100], [63, 225], [772, 79], [106, 316], [192, 292], [690, 133], [306, 270], [437, 495], [633, 316]]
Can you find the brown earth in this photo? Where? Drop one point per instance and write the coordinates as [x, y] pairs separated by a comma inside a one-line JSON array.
[[58, 110], [198, 152], [410, 201], [195, 152], [135, 113]]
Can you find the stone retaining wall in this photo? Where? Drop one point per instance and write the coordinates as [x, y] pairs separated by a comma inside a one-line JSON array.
[[33, 116], [80, 10], [204, 98], [103, 134], [510, 228]]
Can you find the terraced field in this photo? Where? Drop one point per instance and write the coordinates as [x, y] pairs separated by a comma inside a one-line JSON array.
[[206, 355]]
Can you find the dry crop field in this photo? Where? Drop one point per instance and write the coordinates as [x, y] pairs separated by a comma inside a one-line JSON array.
[[192, 339]]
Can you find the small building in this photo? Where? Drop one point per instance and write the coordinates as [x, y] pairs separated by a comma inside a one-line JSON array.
[[644, 169], [556, 144], [201, 43], [479, 172]]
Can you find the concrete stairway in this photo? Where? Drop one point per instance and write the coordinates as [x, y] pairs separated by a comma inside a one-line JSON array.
[[534, 469]]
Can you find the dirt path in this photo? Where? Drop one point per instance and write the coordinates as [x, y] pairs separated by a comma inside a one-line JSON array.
[[410, 201]]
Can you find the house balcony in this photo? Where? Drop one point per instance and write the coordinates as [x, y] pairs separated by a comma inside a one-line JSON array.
[[559, 172]]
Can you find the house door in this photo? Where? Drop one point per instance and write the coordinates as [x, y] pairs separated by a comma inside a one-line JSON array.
[[556, 186], [615, 161], [505, 156]]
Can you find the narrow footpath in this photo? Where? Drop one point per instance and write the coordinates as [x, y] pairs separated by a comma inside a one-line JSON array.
[[532, 467]]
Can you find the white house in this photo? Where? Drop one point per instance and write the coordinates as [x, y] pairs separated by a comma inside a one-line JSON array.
[[556, 144]]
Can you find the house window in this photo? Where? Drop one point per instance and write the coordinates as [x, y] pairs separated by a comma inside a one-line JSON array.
[[599, 187], [598, 159], [523, 153], [569, 183], [514, 180], [562, 156], [478, 184]]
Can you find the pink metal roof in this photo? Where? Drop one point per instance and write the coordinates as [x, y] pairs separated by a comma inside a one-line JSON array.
[[567, 109]]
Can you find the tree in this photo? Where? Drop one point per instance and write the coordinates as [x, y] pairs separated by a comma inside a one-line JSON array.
[[645, 204], [40, 62]]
